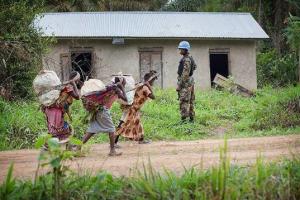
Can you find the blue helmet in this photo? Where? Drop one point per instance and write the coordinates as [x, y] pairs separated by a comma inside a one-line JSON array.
[[184, 45]]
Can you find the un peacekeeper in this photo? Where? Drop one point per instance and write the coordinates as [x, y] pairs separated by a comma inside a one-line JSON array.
[[185, 84]]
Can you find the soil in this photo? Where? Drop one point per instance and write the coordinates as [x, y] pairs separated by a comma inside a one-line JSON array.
[[175, 156]]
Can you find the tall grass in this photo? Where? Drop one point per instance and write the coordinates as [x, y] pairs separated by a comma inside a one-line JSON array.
[[271, 112], [261, 181]]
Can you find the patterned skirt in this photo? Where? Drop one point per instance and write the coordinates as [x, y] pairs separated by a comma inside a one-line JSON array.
[[132, 127]]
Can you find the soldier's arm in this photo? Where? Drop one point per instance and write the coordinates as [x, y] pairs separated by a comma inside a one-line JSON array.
[[185, 73]]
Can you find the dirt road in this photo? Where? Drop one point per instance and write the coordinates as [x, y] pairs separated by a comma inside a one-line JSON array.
[[170, 155]]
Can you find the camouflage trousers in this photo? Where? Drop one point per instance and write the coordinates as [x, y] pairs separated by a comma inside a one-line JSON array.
[[187, 101]]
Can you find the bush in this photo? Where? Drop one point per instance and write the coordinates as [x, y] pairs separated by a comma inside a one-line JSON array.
[[273, 108], [276, 70], [21, 47]]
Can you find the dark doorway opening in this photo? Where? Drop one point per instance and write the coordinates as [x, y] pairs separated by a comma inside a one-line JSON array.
[[82, 63], [218, 65]]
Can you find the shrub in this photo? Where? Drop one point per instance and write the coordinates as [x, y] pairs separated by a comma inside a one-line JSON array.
[[276, 70], [21, 47]]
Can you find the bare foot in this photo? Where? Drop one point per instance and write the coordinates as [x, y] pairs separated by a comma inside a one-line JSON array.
[[114, 153]]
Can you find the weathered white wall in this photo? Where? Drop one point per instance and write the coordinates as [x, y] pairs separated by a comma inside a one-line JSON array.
[[111, 59]]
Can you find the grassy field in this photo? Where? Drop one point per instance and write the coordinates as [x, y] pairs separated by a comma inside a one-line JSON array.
[[271, 112]]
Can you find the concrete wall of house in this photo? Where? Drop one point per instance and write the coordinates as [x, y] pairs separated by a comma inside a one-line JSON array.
[[111, 59]]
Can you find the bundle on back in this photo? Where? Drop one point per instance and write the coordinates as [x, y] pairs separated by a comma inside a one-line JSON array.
[[47, 87], [91, 86], [129, 89]]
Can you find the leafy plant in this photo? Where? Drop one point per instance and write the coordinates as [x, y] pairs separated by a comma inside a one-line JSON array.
[[276, 70], [21, 47], [9, 184], [55, 156]]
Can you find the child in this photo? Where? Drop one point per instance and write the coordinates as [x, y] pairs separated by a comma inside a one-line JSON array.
[[99, 105], [132, 127]]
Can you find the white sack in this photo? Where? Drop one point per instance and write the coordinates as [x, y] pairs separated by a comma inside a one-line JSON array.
[[129, 89], [92, 85], [45, 81], [44, 85]]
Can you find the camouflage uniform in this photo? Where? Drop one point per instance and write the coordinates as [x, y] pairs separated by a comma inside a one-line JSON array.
[[185, 87]]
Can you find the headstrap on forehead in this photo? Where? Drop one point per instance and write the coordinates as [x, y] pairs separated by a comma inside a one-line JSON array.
[[154, 75]]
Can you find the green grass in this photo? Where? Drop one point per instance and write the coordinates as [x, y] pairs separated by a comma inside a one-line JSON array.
[[261, 181], [271, 112]]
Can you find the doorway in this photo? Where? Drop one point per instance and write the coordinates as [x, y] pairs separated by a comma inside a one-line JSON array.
[[151, 59], [82, 63], [218, 65]]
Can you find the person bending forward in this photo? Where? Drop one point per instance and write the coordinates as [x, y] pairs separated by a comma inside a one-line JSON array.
[[99, 106], [132, 127]]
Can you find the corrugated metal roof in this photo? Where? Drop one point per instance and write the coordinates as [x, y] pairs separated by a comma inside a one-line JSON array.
[[151, 25]]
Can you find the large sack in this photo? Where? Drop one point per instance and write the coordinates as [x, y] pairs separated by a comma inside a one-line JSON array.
[[45, 86], [92, 85], [45, 81], [49, 98], [129, 89]]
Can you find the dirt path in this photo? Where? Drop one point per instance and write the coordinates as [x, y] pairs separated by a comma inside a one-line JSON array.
[[170, 155]]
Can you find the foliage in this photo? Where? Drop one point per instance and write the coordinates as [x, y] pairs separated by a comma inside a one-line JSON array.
[[272, 111], [21, 47], [104, 5], [55, 156], [260, 181], [20, 124], [292, 32], [272, 108], [276, 70], [184, 5], [271, 15]]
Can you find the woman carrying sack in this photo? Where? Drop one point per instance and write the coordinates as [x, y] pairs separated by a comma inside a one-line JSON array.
[[132, 127], [98, 104], [55, 114]]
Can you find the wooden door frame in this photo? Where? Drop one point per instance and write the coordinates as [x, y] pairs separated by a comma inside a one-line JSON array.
[[158, 50], [62, 68], [221, 51]]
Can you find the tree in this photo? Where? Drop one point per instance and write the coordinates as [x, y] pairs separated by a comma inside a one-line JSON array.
[[104, 5], [21, 47], [271, 14], [184, 5], [293, 36]]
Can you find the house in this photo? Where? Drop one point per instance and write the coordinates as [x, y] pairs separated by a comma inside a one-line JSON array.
[[99, 44]]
